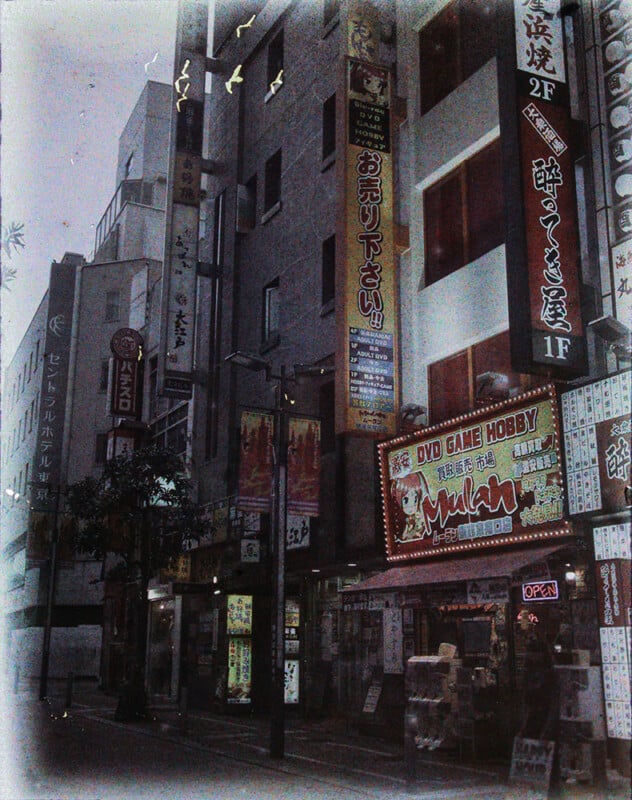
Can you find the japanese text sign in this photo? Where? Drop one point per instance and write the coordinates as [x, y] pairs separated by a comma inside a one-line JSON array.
[[491, 478]]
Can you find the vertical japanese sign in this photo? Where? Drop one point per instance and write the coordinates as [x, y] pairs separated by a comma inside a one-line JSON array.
[[183, 201], [367, 396], [47, 469], [542, 242], [597, 430], [126, 394], [616, 71], [612, 564], [239, 670]]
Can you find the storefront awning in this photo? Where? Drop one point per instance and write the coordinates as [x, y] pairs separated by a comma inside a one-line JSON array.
[[494, 565]]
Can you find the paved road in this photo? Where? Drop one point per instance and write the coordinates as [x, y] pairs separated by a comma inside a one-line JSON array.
[[84, 754]]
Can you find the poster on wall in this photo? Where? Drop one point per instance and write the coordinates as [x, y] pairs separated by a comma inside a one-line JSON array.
[[613, 550], [596, 428], [542, 239], [291, 672], [239, 614], [486, 479], [393, 644], [368, 394], [239, 670]]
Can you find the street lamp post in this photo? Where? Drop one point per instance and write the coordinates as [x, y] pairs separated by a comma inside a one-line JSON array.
[[50, 601], [279, 508]]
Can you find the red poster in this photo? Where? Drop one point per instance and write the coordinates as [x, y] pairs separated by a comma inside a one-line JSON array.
[[303, 467], [255, 461]]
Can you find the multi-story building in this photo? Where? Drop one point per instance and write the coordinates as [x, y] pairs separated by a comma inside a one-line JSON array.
[[418, 244]]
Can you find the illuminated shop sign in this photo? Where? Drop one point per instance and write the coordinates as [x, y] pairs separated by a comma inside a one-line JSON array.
[[596, 427], [540, 590], [542, 242], [239, 683], [126, 367], [239, 614], [486, 479]]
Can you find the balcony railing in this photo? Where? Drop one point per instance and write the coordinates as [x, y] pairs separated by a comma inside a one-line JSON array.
[[136, 191]]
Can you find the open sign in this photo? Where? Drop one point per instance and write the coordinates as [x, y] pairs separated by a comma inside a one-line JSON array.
[[540, 590]]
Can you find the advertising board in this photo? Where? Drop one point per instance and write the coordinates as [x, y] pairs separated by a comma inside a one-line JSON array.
[[486, 479]]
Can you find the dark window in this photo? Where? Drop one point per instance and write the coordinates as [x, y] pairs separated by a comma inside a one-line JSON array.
[[329, 270], [112, 308], [463, 214], [275, 63], [455, 382], [128, 165], [218, 229], [453, 46], [273, 181], [331, 8], [105, 372], [327, 407], [37, 349], [271, 309], [101, 448], [153, 385], [329, 126], [247, 206]]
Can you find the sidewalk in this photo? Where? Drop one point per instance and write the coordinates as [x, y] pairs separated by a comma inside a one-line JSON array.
[[313, 747]]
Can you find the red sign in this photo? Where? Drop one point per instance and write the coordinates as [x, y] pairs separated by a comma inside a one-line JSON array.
[[557, 331], [303, 467], [126, 394], [540, 590], [491, 478], [255, 461]]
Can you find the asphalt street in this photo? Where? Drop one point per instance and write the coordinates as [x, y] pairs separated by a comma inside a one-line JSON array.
[[81, 753]]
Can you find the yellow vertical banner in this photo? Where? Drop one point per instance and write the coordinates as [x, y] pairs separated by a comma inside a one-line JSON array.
[[369, 319]]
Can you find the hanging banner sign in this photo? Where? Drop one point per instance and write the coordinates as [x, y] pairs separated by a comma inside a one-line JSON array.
[[183, 201], [490, 478], [303, 467], [368, 394], [255, 461], [542, 243], [597, 430], [126, 374]]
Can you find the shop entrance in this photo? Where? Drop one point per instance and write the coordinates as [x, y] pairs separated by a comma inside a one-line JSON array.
[[161, 647]]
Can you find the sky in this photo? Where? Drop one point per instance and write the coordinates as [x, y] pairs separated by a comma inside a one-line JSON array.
[[72, 71]]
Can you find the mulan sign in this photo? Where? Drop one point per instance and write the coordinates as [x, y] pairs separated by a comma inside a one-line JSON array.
[[542, 245]]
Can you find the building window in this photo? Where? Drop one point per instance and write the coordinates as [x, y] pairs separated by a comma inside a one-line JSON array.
[[272, 181], [128, 165], [329, 126], [463, 214], [454, 389], [328, 270], [247, 206], [331, 9], [327, 410], [30, 365], [101, 448], [32, 415], [275, 63], [153, 386], [171, 430], [37, 349], [218, 229], [112, 307], [453, 46], [105, 372], [271, 312]]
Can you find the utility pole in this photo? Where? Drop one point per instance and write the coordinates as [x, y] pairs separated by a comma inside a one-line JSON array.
[[50, 600]]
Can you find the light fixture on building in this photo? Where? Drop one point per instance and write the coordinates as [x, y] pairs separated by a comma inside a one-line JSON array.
[[616, 335], [570, 576], [249, 361], [491, 386]]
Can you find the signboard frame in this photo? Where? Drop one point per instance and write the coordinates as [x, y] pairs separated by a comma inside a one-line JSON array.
[[489, 478]]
